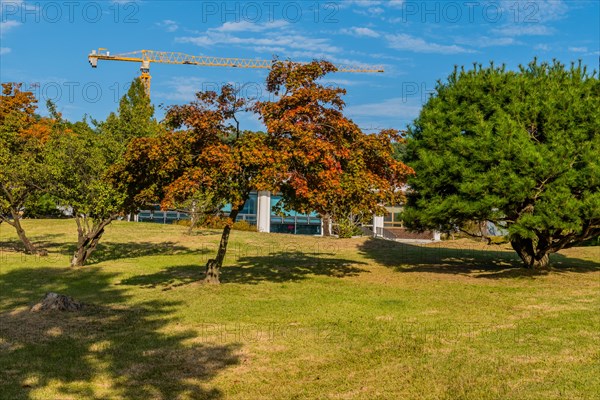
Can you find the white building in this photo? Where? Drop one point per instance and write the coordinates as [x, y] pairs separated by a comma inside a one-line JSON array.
[[258, 211]]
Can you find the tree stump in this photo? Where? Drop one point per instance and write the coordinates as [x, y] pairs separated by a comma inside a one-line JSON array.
[[57, 302]]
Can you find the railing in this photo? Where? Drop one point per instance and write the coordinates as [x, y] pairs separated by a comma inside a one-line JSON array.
[[168, 217], [164, 217], [296, 224]]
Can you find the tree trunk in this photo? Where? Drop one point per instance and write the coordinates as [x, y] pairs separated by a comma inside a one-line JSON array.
[[85, 250], [79, 258], [193, 218], [212, 272], [190, 229], [29, 247], [326, 225], [87, 241], [532, 258], [213, 266]]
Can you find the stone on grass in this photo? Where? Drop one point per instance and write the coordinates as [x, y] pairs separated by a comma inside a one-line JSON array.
[[57, 302]]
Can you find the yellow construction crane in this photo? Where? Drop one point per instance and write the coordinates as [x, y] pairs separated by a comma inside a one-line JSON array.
[[145, 57]]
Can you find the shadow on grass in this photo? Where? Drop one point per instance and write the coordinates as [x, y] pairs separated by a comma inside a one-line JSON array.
[[111, 350], [109, 251], [204, 232], [169, 277], [45, 242], [278, 267], [473, 261], [289, 266], [106, 250]]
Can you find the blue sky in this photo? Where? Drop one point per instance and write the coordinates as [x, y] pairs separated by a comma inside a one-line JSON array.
[[45, 46]]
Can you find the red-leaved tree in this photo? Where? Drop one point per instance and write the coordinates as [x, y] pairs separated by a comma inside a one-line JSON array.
[[325, 162], [206, 153], [23, 173], [311, 153]]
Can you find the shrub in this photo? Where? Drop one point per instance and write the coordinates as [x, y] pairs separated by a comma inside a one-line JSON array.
[[182, 222], [243, 226], [346, 228]]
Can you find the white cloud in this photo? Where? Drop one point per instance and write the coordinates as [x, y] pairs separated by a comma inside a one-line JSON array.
[[274, 37], [396, 107], [372, 4], [550, 10], [4, 50], [6, 26], [578, 49], [406, 42], [246, 26], [370, 12], [357, 31], [542, 47], [334, 81], [369, 8], [16, 8], [486, 41], [274, 50], [535, 11], [394, 3], [7, 5], [295, 42], [168, 25], [362, 3], [307, 55], [524, 30], [183, 88]]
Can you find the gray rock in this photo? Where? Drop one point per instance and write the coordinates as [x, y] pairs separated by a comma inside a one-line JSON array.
[[57, 302]]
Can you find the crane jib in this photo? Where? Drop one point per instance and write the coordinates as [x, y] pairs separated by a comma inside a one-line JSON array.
[[145, 57]]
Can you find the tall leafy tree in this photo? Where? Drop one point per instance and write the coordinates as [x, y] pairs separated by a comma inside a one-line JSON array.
[[81, 158], [311, 153], [79, 164], [23, 174], [134, 118], [325, 162], [206, 155], [520, 149]]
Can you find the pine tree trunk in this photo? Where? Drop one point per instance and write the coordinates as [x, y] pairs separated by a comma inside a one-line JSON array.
[[532, 259], [213, 266], [542, 263], [29, 247]]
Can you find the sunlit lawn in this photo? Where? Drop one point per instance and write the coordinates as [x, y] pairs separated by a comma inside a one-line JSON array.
[[295, 318]]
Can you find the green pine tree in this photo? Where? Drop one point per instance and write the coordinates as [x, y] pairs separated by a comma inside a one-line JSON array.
[[519, 149]]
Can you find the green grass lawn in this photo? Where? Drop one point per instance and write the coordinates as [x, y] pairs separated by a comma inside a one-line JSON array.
[[295, 318]]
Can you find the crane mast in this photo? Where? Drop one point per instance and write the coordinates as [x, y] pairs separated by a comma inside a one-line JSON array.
[[145, 57]]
